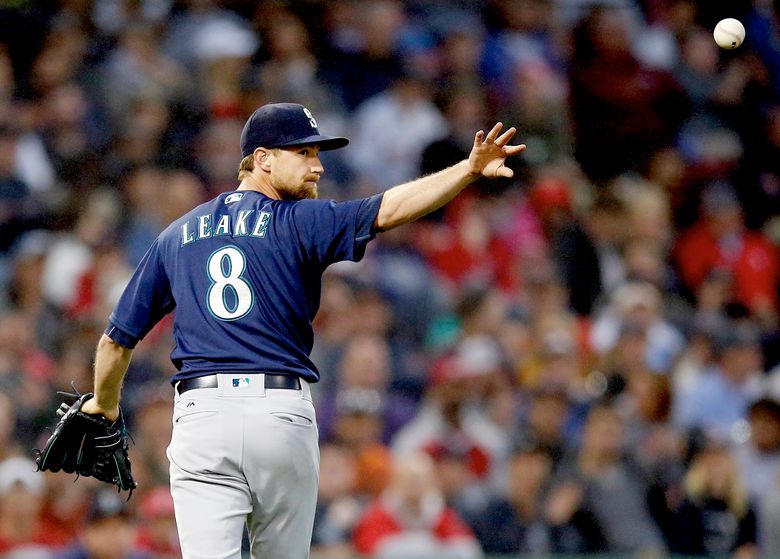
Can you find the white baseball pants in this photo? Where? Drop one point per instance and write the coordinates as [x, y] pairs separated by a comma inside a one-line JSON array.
[[240, 455]]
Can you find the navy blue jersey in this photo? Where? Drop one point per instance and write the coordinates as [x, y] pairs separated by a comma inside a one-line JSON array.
[[244, 273]]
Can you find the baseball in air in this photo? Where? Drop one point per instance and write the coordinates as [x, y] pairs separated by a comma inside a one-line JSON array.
[[729, 33]]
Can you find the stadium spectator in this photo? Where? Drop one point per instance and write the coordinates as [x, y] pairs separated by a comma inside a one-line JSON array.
[[461, 51], [558, 362], [716, 516], [365, 371], [698, 355], [22, 529], [141, 191], [541, 216], [604, 481], [358, 427], [467, 250], [526, 520], [151, 422], [720, 240], [758, 458], [293, 71], [109, 532], [526, 36], [622, 109], [465, 108], [66, 505], [658, 447], [111, 16], [638, 305], [363, 51], [19, 210], [8, 443], [539, 107], [157, 534], [204, 31], [25, 372], [411, 518], [339, 504], [138, 68], [587, 253], [764, 201], [409, 120], [453, 417], [548, 423], [516, 523], [718, 400], [769, 519]]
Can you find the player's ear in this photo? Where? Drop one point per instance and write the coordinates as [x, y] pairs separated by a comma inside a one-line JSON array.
[[263, 159]]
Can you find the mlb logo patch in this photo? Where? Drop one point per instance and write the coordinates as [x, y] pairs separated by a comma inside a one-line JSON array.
[[235, 197], [241, 382]]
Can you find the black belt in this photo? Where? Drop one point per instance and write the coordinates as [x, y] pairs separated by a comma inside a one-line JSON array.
[[283, 382]]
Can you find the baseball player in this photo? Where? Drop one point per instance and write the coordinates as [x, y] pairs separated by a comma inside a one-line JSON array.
[[243, 272]]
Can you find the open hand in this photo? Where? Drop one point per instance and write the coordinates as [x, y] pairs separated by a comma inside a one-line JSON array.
[[488, 155]]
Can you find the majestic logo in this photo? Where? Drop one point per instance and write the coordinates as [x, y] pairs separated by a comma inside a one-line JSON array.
[[235, 197], [313, 122], [241, 382]]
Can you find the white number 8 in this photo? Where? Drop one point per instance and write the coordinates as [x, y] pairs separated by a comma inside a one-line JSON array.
[[230, 297]]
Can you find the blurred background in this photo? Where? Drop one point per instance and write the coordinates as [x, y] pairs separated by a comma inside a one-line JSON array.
[[583, 359]]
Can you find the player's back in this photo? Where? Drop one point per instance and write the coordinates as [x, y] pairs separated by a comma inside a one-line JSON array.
[[239, 282], [244, 274]]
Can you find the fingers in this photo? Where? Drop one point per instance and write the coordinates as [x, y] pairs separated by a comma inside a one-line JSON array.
[[513, 150], [504, 138], [505, 172], [493, 134]]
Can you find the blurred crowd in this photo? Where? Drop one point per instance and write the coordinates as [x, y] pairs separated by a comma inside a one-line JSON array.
[[584, 358]]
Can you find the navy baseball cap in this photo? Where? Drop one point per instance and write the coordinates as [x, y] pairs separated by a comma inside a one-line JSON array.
[[279, 125]]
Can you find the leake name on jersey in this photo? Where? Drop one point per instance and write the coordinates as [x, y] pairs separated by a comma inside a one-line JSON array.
[[206, 226]]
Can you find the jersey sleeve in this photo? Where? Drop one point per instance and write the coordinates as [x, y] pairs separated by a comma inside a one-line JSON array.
[[145, 300], [335, 231]]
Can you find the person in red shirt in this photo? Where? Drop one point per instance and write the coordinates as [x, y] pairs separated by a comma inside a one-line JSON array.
[[21, 501], [411, 519], [157, 531], [720, 241]]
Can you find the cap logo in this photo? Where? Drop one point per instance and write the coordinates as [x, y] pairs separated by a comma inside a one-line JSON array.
[[313, 122]]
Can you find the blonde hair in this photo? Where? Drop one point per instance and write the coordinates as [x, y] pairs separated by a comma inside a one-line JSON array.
[[696, 483], [246, 166]]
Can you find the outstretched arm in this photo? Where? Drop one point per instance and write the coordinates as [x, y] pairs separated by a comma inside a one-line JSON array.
[[409, 201], [111, 362]]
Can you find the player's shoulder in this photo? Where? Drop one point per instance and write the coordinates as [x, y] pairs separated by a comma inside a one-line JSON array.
[[311, 204], [320, 205], [322, 212]]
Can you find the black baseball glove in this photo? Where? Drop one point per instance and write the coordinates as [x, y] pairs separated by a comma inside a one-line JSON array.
[[89, 445]]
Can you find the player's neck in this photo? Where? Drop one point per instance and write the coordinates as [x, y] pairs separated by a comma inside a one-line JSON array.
[[252, 183]]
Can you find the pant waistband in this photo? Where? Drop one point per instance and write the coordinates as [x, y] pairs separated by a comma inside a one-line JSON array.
[[270, 381]]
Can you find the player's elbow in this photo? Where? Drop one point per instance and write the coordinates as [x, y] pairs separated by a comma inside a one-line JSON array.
[[106, 344], [392, 215]]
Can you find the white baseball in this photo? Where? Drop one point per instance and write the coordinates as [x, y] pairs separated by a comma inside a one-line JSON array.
[[729, 33]]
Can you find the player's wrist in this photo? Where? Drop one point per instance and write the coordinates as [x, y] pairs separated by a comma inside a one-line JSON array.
[[96, 407], [472, 170]]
